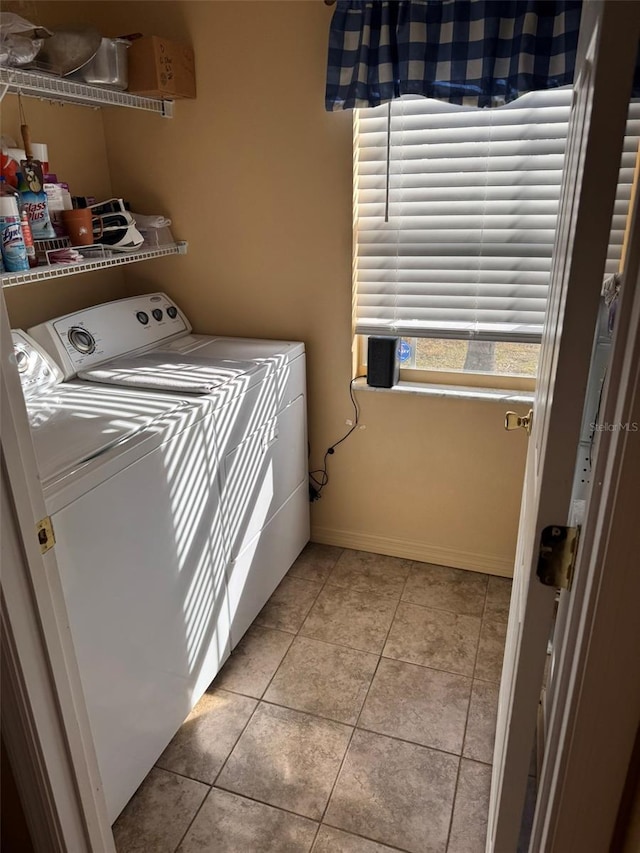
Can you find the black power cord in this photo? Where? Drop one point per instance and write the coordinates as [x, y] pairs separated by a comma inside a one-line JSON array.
[[319, 478]]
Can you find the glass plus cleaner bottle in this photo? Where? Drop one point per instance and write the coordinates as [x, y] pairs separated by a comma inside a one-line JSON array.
[[34, 199]]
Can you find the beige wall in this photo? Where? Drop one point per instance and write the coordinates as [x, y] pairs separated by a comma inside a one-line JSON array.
[[257, 177]]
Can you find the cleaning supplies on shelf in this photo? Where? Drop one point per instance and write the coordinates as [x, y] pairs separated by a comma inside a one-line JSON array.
[[58, 200], [14, 252], [34, 198], [27, 236]]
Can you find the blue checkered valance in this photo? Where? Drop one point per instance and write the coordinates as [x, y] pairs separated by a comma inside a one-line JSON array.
[[476, 52]]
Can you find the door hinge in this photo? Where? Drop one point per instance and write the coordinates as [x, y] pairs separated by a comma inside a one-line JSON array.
[[46, 536], [557, 555]]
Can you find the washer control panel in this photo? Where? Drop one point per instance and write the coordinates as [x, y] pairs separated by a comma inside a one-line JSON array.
[[103, 332], [37, 371]]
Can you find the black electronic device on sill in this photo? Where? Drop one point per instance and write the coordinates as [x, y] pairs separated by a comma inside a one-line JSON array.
[[383, 367]]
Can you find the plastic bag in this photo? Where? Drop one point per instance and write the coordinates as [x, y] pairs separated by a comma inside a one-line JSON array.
[[20, 40]]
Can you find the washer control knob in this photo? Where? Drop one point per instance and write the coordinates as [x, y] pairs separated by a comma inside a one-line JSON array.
[[143, 317], [157, 314], [81, 340], [22, 360], [172, 311]]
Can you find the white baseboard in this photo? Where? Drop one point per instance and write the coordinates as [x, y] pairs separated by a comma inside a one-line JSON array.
[[490, 564]]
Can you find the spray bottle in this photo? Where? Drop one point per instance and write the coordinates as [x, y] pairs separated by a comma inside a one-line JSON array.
[[14, 252]]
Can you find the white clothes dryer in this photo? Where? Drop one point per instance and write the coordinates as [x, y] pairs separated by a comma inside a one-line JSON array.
[[263, 470]]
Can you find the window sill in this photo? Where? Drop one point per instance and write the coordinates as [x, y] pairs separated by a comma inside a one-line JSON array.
[[454, 392]]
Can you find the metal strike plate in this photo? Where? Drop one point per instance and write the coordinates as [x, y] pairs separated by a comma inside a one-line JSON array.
[[45, 534], [512, 420], [557, 555]]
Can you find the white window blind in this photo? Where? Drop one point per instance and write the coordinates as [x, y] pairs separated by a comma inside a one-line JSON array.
[[472, 206]]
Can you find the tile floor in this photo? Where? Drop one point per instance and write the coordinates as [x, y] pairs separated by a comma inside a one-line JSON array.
[[357, 715]]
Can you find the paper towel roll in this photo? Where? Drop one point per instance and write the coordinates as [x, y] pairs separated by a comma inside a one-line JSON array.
[[40, 152]]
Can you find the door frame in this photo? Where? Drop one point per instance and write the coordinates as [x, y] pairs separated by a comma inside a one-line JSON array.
[[44, 716]]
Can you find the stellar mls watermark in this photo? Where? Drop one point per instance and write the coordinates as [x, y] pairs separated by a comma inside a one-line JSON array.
[[629, 426]]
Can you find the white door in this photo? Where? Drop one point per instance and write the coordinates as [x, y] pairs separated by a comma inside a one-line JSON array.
[[54, 753], [606, 57]]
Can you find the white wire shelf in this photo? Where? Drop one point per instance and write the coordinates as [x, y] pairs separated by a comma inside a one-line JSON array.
[[37, 84], [13, 279]]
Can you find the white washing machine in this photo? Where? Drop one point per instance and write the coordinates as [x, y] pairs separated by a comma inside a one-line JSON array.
[[130, 482], [145, 343]]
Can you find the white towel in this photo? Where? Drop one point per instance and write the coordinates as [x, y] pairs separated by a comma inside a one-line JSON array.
[[151, 221]]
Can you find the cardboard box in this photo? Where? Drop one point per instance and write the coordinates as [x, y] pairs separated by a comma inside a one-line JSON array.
[[159, 68]]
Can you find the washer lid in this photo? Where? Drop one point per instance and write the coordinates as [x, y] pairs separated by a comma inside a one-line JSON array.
[[78, 422], [168, 371], [275, 353]]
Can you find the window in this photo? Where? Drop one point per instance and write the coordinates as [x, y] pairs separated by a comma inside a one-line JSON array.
[[455, 218]]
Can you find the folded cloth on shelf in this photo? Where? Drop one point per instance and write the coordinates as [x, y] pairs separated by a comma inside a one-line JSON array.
[[67, 255], [151, 221]]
